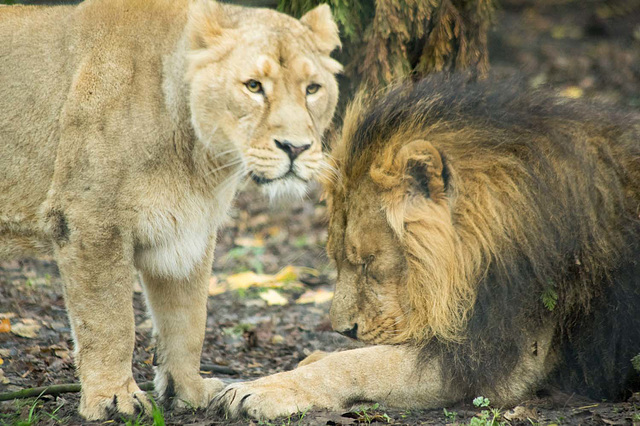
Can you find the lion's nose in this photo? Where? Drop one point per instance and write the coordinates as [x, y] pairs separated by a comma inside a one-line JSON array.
[[293, 151], [352, 332]]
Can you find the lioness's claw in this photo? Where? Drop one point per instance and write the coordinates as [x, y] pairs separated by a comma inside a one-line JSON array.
[[115, 406]]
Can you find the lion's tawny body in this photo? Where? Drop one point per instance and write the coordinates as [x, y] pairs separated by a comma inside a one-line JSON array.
[[487, 240]]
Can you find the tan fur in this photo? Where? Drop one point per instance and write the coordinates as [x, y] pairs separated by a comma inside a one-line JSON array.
[[337, 381], [454, 210], [125, 127]]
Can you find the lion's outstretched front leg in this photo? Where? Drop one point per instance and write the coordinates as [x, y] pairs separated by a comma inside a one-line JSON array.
[[385, 374], [96, 265], [179, 310]]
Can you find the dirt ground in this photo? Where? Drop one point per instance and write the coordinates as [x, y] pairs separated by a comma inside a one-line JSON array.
[[587, 49]]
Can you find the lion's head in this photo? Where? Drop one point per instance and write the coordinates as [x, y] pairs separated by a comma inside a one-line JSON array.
[[414, 217], [263, 84], [396, 249]]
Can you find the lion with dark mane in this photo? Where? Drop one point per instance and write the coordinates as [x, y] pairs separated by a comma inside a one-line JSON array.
[[487, 242]]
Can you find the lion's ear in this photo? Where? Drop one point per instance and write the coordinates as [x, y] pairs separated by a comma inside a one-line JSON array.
[[426, 167], [321, 23], [418, 166], [207, 21]]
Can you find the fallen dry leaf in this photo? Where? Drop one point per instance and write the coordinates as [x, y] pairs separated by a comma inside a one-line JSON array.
[[272, 297], [145, 325], [315, 296], [521, 413], [215, 287], [572, 92], [7, 315], [248, 279], [249, 242], [277, 339], [288, 273], [5, 325], [3, 379], [27, 327]]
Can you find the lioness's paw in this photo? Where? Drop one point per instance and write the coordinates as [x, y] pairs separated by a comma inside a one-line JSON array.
[[199, 396], [115, 402], [187, 391], [260, 400]]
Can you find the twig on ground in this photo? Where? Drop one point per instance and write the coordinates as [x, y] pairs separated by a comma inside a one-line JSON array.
[[54, 390]]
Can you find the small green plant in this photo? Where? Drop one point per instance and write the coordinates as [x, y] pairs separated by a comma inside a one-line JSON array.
[[250, 258], [481, 402], [549, 298], [157, 417], [635, 361], [301, 242], [450, 415], [368, 415], [238, 329], [487, 418], [157, 414]]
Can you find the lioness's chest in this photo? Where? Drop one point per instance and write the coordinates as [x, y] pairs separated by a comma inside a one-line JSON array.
[[173, 235]]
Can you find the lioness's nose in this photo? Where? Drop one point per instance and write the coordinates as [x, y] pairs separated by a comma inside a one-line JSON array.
[[352, 332], [292, 150]]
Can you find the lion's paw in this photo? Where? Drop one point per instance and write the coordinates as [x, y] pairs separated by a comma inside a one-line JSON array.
[[126, 400], [313, 357], [260, 400]]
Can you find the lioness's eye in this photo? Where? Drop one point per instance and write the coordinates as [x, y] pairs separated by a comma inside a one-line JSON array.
[[313, 88], [254, 86]]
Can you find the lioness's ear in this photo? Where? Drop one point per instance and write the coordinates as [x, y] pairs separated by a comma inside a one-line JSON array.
[[207, 20], [321, 23]]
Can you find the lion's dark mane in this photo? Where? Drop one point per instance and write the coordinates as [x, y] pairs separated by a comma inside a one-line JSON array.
[[580, 177]]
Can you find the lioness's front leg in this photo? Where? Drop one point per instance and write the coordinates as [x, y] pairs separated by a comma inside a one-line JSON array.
[[97, 269], [387, 374], [179, 310]]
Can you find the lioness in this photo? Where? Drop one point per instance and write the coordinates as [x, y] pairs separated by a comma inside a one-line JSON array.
[[126, 126], [488, 241]]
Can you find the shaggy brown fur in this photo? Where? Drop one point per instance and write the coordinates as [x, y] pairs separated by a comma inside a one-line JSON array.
[[492, 236]]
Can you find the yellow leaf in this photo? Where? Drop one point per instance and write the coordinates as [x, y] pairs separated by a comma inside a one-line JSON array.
[[215, 287], [247, 279], [272, 297], [5, 325], [288, 273], [315, 296], [1, 361], [272, 231], [249, 242], [277, 339], [26, 328], [572, 92]]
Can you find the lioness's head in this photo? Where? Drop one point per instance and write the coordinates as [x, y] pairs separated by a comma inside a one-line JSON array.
[[263, 84]]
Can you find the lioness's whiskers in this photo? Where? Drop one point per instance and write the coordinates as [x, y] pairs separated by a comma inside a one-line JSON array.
[[225, 166], [220, 154]]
